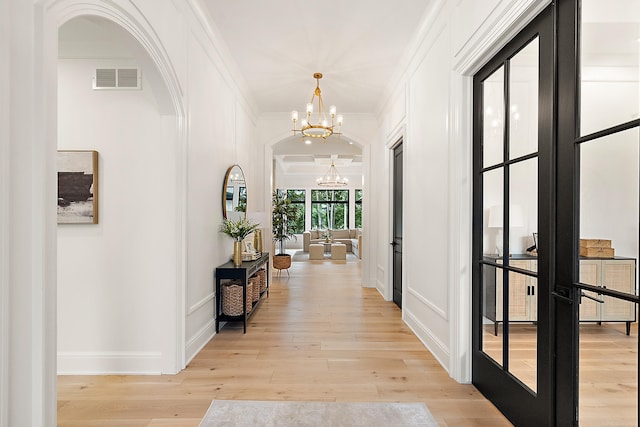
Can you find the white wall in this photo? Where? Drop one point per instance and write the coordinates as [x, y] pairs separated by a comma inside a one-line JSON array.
[[27, 220], [430, 109], [426, 149], [142, 300], [110, 299], [220, 135]]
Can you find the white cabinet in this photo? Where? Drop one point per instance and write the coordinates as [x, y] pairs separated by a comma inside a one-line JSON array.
[[523, 292], [612, 273]]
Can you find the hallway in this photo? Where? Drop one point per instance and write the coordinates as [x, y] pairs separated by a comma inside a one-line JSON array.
[[319, 336]]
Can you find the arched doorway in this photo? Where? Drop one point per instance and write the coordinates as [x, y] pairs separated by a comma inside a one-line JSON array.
[[121, 296]]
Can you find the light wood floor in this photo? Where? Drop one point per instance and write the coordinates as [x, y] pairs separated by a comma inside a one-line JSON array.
[[318, 337], [608, 369]]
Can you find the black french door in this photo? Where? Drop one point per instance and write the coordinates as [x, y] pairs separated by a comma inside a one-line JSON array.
[[514, 179], [598, 195], [542, 313]]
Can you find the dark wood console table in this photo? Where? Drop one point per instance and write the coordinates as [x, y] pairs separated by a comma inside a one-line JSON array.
[[228, 272]]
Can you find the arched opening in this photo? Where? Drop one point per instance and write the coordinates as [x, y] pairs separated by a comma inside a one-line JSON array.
[[118, 279], [299, 163], [335, 211]]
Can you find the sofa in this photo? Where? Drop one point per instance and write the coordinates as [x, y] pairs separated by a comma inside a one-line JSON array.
[[351, 238]]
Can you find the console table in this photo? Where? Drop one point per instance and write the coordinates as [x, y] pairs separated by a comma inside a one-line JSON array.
[[227, 272]]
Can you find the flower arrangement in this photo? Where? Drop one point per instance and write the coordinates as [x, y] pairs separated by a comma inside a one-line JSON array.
[[238, 229]]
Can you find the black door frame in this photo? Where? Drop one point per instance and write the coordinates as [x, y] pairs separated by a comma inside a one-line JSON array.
[[519, 404], [396, 241], [566, 311]]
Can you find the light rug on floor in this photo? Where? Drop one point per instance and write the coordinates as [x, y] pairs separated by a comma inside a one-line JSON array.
[[241, 413]]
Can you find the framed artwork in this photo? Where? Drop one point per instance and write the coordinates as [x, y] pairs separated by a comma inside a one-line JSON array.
[[77, 187]]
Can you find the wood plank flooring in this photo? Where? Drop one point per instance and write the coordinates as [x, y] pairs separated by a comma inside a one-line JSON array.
[[319, 336], [608, 369]]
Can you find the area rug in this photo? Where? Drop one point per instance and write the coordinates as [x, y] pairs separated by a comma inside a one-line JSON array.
[[241, 413], [304, 256]]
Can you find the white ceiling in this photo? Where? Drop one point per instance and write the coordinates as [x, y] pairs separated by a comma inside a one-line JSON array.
[[358, 46], [279, 44]]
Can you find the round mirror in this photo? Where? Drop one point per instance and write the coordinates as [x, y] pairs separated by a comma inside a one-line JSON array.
[[234, 194]]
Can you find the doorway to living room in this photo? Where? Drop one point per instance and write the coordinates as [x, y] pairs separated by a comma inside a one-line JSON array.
[[329, 224]]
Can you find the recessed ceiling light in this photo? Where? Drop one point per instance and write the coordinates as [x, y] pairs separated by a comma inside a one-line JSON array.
[[308, 141], [350, 142]]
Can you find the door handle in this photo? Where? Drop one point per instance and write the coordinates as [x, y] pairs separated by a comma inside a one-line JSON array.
[[583, 295], [562, 296]]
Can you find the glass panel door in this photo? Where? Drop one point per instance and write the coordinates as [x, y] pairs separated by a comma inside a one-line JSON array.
[[608, 143], [512, 148]]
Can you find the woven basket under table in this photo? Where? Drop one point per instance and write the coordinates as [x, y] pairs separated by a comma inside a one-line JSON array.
[[232, 298], [254, 281], [262, 274]]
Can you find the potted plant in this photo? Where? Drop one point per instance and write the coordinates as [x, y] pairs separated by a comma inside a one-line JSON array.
[[238, 230], [284, 216]]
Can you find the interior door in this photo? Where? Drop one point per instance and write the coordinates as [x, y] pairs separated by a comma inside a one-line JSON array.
[[513, 199], [397, 224], [598, 195]]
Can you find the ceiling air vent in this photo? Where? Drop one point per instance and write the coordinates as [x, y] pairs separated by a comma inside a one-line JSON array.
[[117, 78]]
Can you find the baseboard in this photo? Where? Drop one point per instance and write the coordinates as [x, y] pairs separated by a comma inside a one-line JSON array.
[[381, 288], [433, 344], [109, 363], [199, 340]]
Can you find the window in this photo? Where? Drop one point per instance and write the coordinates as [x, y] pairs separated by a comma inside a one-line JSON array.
[[358, 208], [329, 209], [297, 198], [242, 200]]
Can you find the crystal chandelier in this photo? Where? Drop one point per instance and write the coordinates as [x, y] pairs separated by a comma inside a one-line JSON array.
[[320, 128], [332, 178]]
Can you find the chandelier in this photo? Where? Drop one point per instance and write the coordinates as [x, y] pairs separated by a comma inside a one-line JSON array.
[[320, 128], [332, 178]]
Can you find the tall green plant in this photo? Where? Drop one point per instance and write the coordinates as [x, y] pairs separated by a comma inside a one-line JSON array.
[[284, 216]]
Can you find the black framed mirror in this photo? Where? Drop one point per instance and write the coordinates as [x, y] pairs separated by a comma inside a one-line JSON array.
[[234, 193]]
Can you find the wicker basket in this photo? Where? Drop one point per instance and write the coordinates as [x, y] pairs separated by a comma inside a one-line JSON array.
[[254, 282], [282, 262], [262, 274], [232, 298]]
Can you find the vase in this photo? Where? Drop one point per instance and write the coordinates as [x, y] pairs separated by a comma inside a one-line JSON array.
[[237, 253], [257, 240]]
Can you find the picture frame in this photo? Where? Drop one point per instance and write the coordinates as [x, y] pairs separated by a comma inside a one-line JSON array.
[[535, 241], [249, 247], [77, 186]]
